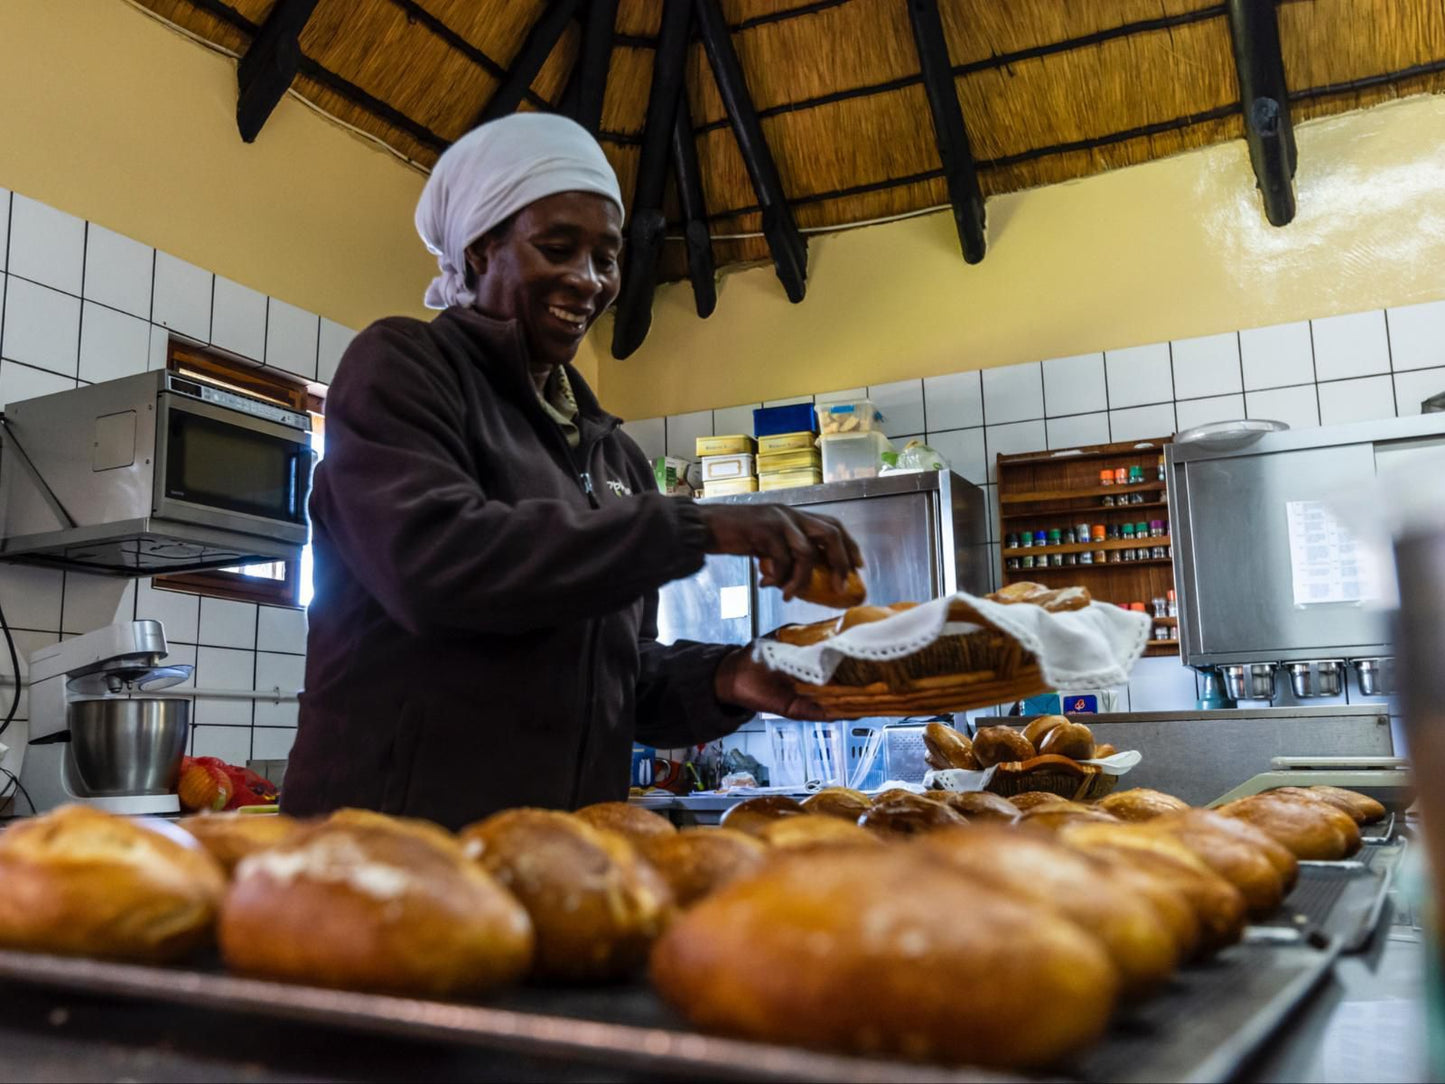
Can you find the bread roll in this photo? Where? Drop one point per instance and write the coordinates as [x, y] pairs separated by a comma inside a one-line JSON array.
[[1052, 816], [230, 837], [947, 748], [754, 814], [368, 906], [885, 951], [1239, 862], [1141, 804], [1072, 740], [903, 813], [80, 882], [1311, 828], [842, 802], [698, 861], [1220, 906], [1032, 799], [1360, 808], [1104, 750], [595, 903], [863, 615], [413, 827], [806, 635], [1036, 730], [1162, 892], [815, 831], [1000, 745], [820, 589], [978, 805], [628, 820], [1046, 873], [1284, 862]]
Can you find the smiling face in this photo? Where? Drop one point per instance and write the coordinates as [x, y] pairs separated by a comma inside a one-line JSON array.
[[553, 269]]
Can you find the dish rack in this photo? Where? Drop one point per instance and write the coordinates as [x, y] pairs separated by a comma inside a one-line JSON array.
[[897, 753]]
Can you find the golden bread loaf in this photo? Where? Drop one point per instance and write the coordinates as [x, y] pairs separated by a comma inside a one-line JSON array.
[[1032, 799], [820, 588], [1000, 745], [1159, 889], [754, 814], [80, 882], [1362, 807], [595, 903], [806, 635], [1311, 828], [1104, 750], [230, 837], [901, 813], [977, 805], [864, 615], [884, 951], [1243, 864], [414, 827], [1072, 740], [628, 820], [947, 748], [1141, 804], [368, 906], [698, 861], [1052, 816], [842, 802], [816, 830], [1280, 857], [1039, 727]]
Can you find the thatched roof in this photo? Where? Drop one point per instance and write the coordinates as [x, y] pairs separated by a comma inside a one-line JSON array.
[[1049, 90]]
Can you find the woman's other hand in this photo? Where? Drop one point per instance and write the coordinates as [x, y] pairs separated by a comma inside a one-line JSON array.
[[792, 541], [744, 682]]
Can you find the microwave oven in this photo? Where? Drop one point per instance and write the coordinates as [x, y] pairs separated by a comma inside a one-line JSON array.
[[157, 472]]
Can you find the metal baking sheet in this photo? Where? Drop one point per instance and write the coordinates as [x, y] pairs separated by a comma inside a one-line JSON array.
[[1341, 900], [1201, 1027]]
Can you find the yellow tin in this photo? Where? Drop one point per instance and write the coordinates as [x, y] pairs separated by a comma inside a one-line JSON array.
[[800, 459], [733, 445], [786, 442]]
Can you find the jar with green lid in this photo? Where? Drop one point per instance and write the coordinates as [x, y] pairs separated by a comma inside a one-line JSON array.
[[1127, 531], [1056, 537], [1141, 530], [1136, 476]]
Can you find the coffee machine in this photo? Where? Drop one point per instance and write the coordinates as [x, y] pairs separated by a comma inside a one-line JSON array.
[[94, 737]]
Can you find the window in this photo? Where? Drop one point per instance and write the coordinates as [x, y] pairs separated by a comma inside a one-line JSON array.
[[278, 583]]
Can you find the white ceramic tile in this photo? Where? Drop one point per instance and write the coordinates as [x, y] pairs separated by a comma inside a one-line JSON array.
[[178, 612], [118, 271], [231, 743], [1013, 393], [1139, 375], [1074, 385], [1417, 335], [1161, 684], [238, 319], [1011, 439], [286, 673], [92, 602], [1220, 408], [1352, 345], [954, 401], [27, 642], [19, 382], [272, 742], [335, 338], [901, 403], [182, 299], [788, 402], [224, 668], [650, 435], [112, 344], [736, 419], [838, 395], [280, 628], [42, 327], [683, 431], [31, 598], [291, 339], [1297, 407], [1205, 366], [1078, 430], [1411, 388], [1277, 356], [964, 450], [46, 245], [1364, 400], [227, 623], [1142, 423], [159, 352], [4, 225]]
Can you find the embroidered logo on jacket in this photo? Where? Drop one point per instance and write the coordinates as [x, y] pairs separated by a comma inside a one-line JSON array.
[[619, 489]]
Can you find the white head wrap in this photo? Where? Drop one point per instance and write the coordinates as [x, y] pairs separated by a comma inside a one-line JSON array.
[[491, 173]]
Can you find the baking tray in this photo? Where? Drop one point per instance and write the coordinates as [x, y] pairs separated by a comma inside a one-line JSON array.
[[1342, 901], [1201, 1027]]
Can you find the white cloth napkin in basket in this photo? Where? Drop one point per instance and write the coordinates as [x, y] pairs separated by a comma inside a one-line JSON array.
[[1089, 648]]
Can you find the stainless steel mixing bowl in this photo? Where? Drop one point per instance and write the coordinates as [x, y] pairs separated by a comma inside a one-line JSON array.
[[127, 746]]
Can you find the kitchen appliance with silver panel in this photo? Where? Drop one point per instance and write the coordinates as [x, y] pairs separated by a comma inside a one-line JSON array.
[[1230, 495], [156, 472]]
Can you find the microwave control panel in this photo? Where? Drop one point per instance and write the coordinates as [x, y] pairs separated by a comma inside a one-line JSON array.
[[231, 400]]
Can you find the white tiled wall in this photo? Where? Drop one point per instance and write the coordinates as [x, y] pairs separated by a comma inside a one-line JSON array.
[[83, 304], [1330, 371]]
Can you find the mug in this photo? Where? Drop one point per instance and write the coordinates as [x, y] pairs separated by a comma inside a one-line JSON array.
[[651, 770]]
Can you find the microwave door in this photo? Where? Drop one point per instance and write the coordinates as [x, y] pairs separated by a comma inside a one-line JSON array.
[[221, 468]]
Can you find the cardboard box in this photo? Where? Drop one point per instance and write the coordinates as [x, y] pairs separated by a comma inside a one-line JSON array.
[[731, 445]]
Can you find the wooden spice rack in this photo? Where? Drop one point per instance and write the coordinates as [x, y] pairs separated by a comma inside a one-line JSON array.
[[1057, 489]]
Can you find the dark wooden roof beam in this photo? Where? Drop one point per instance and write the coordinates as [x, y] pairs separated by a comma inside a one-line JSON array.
[[1264, 99], [647, 225], [789, 249], [701, 269], [594, 61], [267, 70], [541, 40], [959, 171]]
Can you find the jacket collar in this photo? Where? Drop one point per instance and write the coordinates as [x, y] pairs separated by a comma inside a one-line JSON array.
[[503, 350]]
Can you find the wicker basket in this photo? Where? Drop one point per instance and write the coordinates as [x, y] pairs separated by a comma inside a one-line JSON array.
[[1052, 775]]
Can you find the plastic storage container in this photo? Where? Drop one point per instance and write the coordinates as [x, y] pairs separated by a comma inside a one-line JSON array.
[[794, 418], [848, 416], [806, 753], [853, 455]]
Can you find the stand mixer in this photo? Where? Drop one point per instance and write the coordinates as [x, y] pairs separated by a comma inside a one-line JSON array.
[[92, 739]]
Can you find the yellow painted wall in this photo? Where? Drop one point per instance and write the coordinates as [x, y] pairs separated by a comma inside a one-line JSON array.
[[1167, 250]]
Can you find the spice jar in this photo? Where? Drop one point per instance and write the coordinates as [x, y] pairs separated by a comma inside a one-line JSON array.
[[1096, 532], [1141, 530], [1127, 531], [1136, 476], [1156, 528], [1115, 556], [1070, 559], [1157, 552], [1056, 537], [1026, 562], [1112, 532], [1081, 532], [1086, 558], [1106, 477], [1108, 502], [1121, 476], [1013, 563], [1161, 468], [1041, 538], [1172, 602], [1136, 498], [1011, 541], [1100, 556], [1056, 560]]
